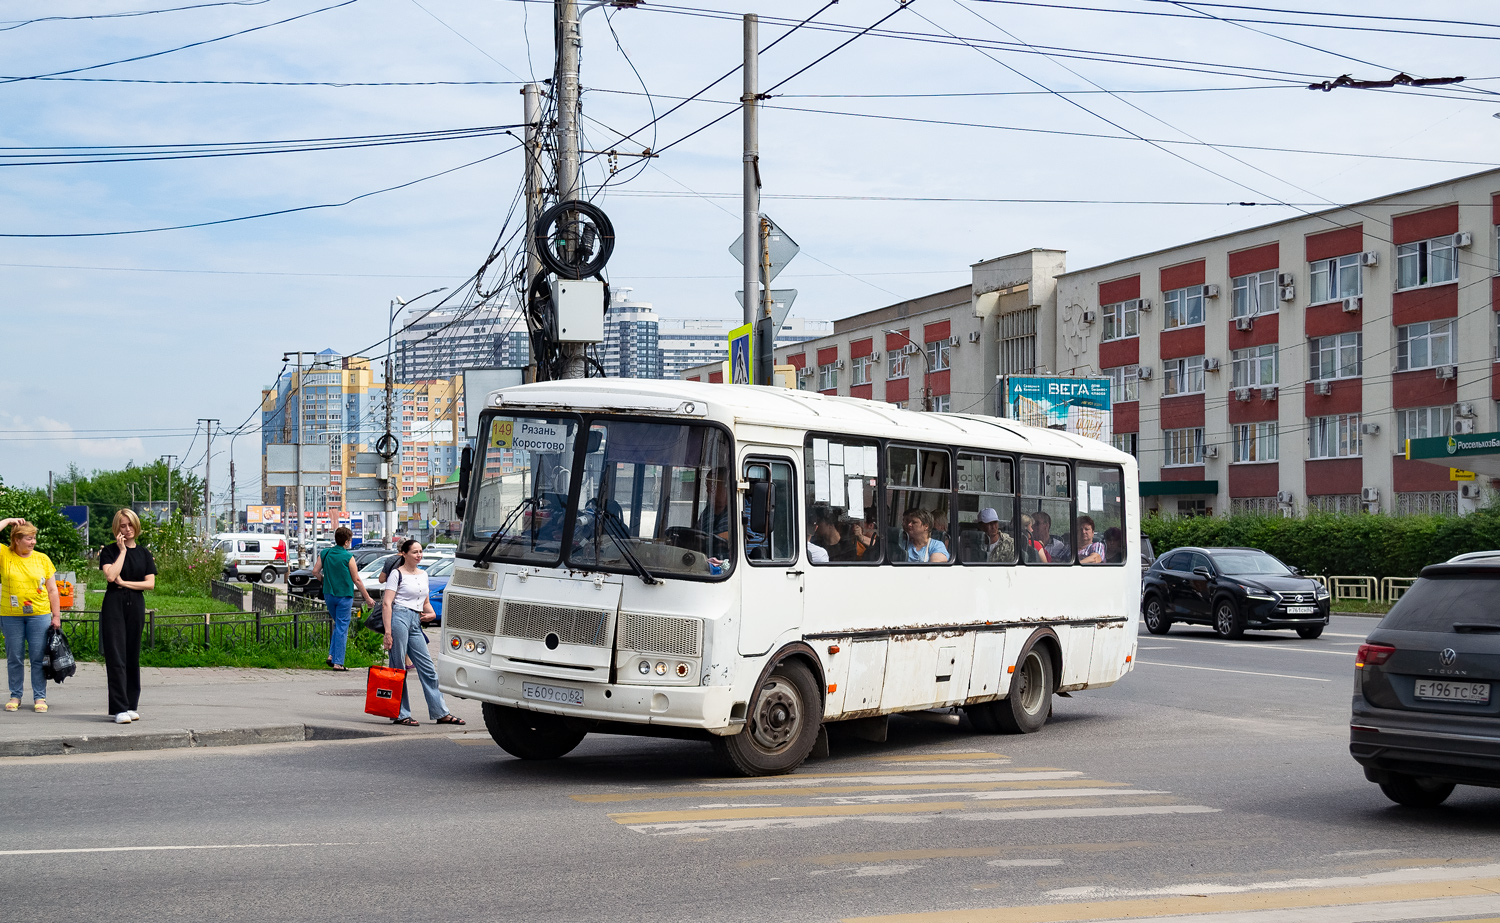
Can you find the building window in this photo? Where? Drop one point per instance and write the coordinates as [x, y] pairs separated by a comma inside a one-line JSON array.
[[1425, 501], [942, 403], [937, 355], [1129, 443], [1183, 376], [1183, 447], [1184, 306], [1426, 262], [1018, 342], [1254, 506], [1121, 319], [1337, 356], [1255, 367], [1422, 346], [1334, 437], [1124, 383], [828, 377], [1334, 503], [1420, 423], [1253, 294], [895, 363], [1256, 442], [900, 405], [864, 368], [1336, 278], [1186, 508]]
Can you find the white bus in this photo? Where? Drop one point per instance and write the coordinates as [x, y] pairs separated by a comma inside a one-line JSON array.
[[745, 564]]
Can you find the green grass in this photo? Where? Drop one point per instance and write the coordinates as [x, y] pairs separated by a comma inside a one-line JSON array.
[[364, 649], [168, 603], [1362, 606]]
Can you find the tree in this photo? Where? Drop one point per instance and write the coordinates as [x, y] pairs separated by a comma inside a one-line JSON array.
[[56, 536], [107, 492]]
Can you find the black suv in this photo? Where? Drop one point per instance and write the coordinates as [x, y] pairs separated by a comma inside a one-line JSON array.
[[1231, 589], [1425, 714]]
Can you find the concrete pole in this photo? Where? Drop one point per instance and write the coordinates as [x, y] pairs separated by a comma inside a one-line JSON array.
[[531, 95], [208, 460], [751, 255], [568, 187], [392, 464]]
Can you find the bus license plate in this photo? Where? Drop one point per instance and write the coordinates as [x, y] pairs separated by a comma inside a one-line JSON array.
[[1301, 610], [1440, 691], [563, 696]]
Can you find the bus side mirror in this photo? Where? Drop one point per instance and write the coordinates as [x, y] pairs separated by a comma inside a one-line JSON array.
[[759, 477], [465, 468]]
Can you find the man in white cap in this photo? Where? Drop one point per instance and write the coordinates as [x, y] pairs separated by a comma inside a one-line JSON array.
[[998, 545]]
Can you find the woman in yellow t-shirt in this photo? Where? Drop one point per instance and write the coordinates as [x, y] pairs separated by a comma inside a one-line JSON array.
[[28, 594]]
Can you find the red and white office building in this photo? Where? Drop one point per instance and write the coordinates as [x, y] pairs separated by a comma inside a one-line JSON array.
[[1283, 368]]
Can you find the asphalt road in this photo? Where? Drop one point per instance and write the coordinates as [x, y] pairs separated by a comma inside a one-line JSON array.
[[1214, 781]]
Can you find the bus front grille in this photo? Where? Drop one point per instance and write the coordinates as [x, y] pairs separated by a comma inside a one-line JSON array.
[[471, 613], [655, 634], [572, 626], [474, 579]]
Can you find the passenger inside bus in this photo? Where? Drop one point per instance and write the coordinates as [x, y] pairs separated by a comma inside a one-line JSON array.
[[866, 540], [835, 535], [715, 516], [996, 545], [1035, 553], [1057, 549], [919, 544], [1114, 545], [1090, 550]]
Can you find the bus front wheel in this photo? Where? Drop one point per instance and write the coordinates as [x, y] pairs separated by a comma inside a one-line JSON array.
[[781, 724], [530, 735]]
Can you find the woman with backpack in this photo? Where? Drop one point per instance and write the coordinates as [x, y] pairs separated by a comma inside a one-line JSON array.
[[406, 606]]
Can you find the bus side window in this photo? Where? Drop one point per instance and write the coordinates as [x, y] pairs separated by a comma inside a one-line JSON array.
[[1046, 504], [1100, 538], [985, 509], [841, 479], [778, 544], [918, 492]]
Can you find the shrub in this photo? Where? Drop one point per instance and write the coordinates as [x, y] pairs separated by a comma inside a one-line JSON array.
[[1374, 545], [184, 563], [56, 535]]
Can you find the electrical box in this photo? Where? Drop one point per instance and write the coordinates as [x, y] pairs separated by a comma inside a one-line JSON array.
[[580, 310]]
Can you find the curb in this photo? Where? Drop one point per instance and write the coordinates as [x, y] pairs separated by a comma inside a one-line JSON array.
[[175, 740]]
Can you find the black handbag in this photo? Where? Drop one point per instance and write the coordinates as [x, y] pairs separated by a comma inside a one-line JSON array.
[[375, 620], [57, 658]]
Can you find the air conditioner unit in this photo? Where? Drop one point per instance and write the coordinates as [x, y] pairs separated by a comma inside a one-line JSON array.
[[1143, 372], [953, 341], [1464, 409], [1322, 387], [1463, 239], [1470, 491], [806, 371], [1370, 429], [1370, 495], [1270, 393], [1370, 257], [1210, 451], [1287, 293], [1146, 305], [1283, 496], [838, 363], [1211, 290], [1211, 364], [874, 357], [1352, 305], [1090, 316], [1244, 323], [1285, 278], [1446, 372], [1242, 394], [974, 336], [1463, 427]]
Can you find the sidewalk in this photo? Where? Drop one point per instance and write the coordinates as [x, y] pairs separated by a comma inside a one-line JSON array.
[[212, 707]]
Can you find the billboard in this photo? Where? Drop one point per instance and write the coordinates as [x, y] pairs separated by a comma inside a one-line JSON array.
[[1075, 405], [263, 515]]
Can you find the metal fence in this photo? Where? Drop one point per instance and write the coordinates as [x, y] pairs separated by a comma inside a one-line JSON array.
[[263, 599], [228, 593], [289, 630]]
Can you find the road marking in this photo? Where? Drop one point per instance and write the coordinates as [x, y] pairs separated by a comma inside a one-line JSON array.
[[910, 797], [1048, 780], [634, 818], [1345, 904], [788, 823], [1262, 647], [1023, 863], [92, 849], [1154, 663], [941, 776], [942, 757], [1334, 634], [1396, 876]]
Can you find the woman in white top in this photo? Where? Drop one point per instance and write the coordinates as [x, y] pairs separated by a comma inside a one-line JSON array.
[[405, 605]]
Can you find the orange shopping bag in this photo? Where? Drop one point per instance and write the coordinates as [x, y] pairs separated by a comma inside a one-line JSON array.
[[383, 692]]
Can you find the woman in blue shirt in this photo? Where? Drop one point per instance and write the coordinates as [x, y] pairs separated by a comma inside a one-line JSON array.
[[920, 545]]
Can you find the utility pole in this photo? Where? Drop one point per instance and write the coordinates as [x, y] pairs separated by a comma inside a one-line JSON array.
[[531, 105], [49, 487], [569, 47], [208, 461], [169, 482], [752, 236]]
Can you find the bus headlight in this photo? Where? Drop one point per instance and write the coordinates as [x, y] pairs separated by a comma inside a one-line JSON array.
[[469, 646], [480, 647], [661, 669], [645, 668]]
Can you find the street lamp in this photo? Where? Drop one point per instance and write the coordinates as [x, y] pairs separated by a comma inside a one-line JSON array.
[[926, 367], [387, 446]]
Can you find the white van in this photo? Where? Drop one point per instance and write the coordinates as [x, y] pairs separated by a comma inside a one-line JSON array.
[[252, 556]]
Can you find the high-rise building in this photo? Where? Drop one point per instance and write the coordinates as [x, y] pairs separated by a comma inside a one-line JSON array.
[[631, 348], [444, 342]]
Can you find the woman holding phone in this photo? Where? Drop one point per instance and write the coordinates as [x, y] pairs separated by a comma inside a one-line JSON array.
[[131, 571]]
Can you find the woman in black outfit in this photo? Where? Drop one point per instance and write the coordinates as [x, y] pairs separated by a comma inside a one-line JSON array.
[[130, 570]]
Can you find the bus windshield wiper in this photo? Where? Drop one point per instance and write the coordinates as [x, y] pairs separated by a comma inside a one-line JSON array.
[[483, 560], [621, 537]]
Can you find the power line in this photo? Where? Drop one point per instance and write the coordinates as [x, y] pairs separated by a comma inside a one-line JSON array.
[[9, 26]]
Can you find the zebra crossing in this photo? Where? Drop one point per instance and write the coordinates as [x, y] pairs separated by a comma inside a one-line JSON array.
[[964, 786]]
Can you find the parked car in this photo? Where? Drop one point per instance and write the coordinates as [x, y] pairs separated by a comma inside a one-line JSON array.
[[1425, 716], [252, 556], [301, 581], [1231, 589]]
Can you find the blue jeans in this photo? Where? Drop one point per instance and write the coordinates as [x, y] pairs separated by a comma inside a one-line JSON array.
[[23, 635], [340, 607], [407, 640]]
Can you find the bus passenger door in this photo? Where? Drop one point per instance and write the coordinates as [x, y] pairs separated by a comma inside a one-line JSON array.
[[771, 577]]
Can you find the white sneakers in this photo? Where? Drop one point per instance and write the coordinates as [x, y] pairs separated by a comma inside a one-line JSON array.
[[122, 718], [134, 715]]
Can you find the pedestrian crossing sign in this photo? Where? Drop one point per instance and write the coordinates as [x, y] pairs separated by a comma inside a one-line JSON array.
[[740, 364]]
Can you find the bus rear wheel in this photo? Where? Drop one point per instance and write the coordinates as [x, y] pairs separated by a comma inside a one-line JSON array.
[[530, 735], [1029, 703], [781, 724]]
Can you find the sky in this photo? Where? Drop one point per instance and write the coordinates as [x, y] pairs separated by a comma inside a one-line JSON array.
[[952, 132]]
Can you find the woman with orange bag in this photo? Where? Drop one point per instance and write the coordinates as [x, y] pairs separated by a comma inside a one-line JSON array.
[[406, 606]]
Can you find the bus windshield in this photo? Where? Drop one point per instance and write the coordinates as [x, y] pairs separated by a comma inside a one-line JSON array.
[[518, 508]]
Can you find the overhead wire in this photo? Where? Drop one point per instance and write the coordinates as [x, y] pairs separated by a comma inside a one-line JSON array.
[[16, 24]]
